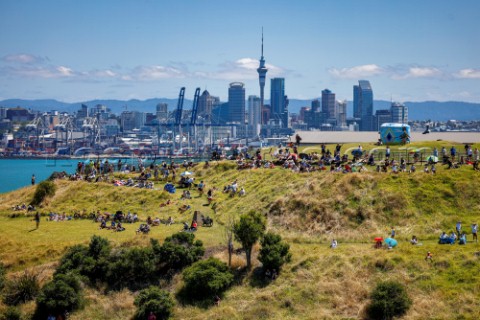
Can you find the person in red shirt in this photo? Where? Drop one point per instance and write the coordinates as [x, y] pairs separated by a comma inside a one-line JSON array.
[[194, 225]]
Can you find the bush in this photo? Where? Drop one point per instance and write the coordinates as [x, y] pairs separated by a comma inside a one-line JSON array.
[[21, 289], [63, 293], [73, 259], [178, 251], [44, 189], [206, 278], [274, 252], [389, 299], [3, 273], [132, 268], [155, 300], [12, 313]]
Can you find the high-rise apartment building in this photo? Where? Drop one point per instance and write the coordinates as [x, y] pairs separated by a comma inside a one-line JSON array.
[[236, 103], [363, 105], [132, 120], [254, 114], [399, 113], [278, 102]]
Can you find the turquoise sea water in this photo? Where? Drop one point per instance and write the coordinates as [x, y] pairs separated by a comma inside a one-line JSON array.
[[17, 173]]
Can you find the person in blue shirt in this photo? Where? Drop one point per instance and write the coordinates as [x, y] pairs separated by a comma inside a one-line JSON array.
[[453, 152], [459, 228]]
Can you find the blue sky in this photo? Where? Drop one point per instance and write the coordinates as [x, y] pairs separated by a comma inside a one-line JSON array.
[[80, 50]]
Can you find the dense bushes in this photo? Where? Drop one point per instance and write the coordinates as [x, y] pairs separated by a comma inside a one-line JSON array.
[[389, 299], [274, 252], [206, 278], [44, 189], [63, 294], [178, 251], [133, 268], [155, 300], [21, 289]]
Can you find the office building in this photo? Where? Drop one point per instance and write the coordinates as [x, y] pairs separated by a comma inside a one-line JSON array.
[[341, 113], [236, 103], [254, 114], [161, 112], [399, 113], [278, 102], [381, 117], [363, 105], [328, 104], [132, 120]]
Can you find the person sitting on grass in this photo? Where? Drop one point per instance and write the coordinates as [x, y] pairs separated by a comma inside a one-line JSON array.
[[463, 239], [103, 224], [156, 221], [119, 227], [429, 257], [184, 207], [185, 226], [149, 220], [334, 244], [169, 221], [414, 240], [193, 226]]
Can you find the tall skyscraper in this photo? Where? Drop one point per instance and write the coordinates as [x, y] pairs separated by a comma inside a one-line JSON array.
[[399, 113], [254, 114], [206, 103], [262, 72], [342, 113], [279, 101], [236, 103], [162, 112], [363, 105], [328, 104]]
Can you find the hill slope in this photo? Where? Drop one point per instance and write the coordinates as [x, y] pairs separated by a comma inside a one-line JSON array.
[[308, 209]]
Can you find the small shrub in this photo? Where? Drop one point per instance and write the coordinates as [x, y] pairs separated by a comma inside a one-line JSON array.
[[63, 293], [155, 300], [274, 252], [132, 268], [21, 289], [73, 259], [12, 313], [178, 251], [206, 278], [44, 189], [389, 299]]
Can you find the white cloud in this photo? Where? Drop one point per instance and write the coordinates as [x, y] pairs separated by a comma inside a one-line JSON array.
[[419, 72], [22, 58], [362, 71], [468, 74], [239, 70], [146, 73]]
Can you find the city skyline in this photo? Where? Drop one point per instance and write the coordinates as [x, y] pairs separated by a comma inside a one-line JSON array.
[[72, 52]]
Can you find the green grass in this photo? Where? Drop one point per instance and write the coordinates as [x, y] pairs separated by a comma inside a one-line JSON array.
[[308, 210]]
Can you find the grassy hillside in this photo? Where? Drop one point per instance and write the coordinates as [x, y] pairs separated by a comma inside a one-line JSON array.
[[308, 210]]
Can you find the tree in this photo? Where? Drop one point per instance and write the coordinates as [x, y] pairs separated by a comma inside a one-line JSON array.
[[274, 252], [155, 300], [63, 293], [248, 230], [206, 278], [44, 189], [389, 299]]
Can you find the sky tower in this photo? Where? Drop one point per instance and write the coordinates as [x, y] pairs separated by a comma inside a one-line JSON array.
[[262, 72]]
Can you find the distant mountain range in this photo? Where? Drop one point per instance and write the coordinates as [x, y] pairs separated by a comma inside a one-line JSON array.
[[432, 110]]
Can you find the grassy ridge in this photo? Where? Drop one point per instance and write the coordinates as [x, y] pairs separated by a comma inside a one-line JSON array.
[[308, 209]]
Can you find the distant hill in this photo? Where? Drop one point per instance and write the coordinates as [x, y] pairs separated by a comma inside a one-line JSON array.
[[433, 110]]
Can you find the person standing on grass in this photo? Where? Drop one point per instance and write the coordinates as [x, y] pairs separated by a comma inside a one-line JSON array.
[[458, 227], [474, 232], [37, 219]]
